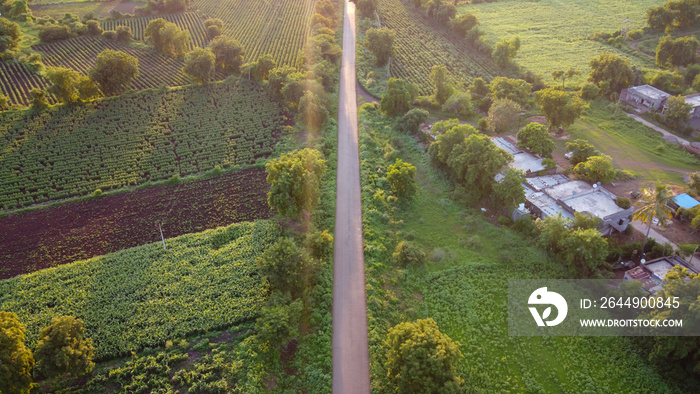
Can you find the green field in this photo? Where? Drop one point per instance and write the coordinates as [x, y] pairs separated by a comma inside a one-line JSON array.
[[125, 141], [463, 286], [553, 32], [145, 295], [632, 145]]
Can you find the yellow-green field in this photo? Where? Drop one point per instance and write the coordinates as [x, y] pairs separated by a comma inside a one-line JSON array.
[[553, 32]]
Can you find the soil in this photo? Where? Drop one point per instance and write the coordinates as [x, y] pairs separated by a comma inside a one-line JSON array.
[[79, 230], [287, 356]]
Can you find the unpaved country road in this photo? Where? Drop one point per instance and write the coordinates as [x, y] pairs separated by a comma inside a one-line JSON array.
[[350, 343]]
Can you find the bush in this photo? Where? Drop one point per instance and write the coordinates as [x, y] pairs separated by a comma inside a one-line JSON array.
[[401, 179], [410, 123], [54, 33], [406, 254], [589, 91], [623, 202], [483, 124], [526, 226], [63, 348], [459, 104], [110, 34]]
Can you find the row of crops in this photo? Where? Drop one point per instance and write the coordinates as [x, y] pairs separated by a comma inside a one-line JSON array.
[[276, 27], [190, 21], [69, 151], [144, 296], [155, 69], [16, 81], [421, 44]]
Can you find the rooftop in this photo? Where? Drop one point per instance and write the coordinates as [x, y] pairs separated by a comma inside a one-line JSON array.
[[597, 203], [542, 182], [526, 162], [505, 145], [638, 273], [568, 189], [545, 203], [685, 201], [660, 267], [693, 99], [650, 92]]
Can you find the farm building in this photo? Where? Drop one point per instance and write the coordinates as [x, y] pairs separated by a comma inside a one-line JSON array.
[[652, 273], [694, 100], [530, 164], [684, 201], [556, 194], [645, 97]]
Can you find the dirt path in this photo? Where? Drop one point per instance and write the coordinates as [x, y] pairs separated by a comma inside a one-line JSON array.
[[350, 336]]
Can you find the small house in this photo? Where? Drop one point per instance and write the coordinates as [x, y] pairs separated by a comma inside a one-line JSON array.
[[645, 97]]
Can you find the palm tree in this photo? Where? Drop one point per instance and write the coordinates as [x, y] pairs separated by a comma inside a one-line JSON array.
[[653, 204]]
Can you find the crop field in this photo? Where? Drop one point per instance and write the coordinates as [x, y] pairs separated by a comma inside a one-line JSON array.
[[101, 9], [422, 44], [190, 21], [125, 141], [553, 33], [463, 286], [155, 68], [276, 27], [146, 295], [52, 236], [16, 81]]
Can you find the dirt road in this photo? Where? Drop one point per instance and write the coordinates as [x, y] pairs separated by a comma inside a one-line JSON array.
[[350, 342]]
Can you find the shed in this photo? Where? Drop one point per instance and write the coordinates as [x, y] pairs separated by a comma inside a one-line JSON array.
[[685, 201], [647, 96]]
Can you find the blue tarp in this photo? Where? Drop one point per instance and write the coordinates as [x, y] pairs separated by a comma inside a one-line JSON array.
[[685, 201]]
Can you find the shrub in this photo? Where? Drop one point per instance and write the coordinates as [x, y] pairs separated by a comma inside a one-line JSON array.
[[401, 179], [63, 348], [589, 91], [406, 254], [54, 33], [460, 104], [623, 202], [410, 123]]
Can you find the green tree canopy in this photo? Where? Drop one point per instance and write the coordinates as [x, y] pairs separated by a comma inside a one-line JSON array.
[[676, 112], [313, 111], [381, 43], [654, 204], [214, 27], [367, 8], [443, 85], [279, 320], [610, 72], [10, 34], [421, 359], [114, 71], [200, 65], [294, 181], [463, 23], [517, 90], [288, 268], [39, 100], [63, 348], [581, 151], [508, 193], [229, 54], [505, 51], [167, 37], [535, 138], [585, 250], [678, 52], [460, 104], [16, 361], [401, 178], [564, 75], [560, 108], [70, 86], [596, 169], [411, 121], [503, 115], [398, 97]]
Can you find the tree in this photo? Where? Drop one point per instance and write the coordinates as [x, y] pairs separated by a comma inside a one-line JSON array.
[[288, 268], [313, 111], [585, 221], [564, 75], [584, 250], [398, 97], [694, 182], [516, 90], [683, 351], [443, 86], [508, 193], [199, 65], [114, 71], [676, 112], [406, 254], [460, 104], [381, 43], [167, 37], [503, 115], [401, 178], [560, 108], [229, 54], [659, 18], [505, 51], [4, 102], [279, 320], [535, 138], [367, 7], [214, 27], [93, 28], [10, 34], [610, 72], [654, 204], [69, 86], [678, 52], [54, 33], [322, 46], [410, 123], [463, 23], [16, 361], [265, 64], [124, 34], [421, 359], [596, 169], [440, 10], [63, 348], [581, 151], [294, 181], [39, 100]]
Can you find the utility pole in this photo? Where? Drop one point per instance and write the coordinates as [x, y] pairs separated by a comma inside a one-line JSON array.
[[161, 235]]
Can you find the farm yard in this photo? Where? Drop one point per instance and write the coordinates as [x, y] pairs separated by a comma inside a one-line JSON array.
[[145, 295], [422, 44], [276, 27], [52, 236], [125, 141], [190, 21], [554, 33], [155, 68]]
